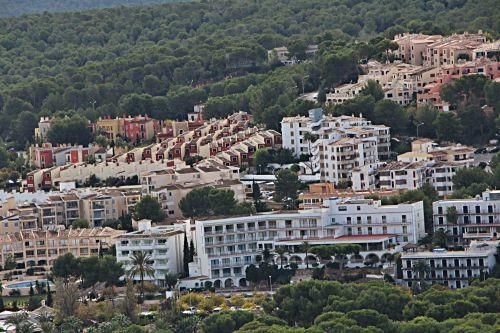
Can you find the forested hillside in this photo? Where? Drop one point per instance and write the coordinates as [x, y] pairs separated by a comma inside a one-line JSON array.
[[19, 7], [163, 59]]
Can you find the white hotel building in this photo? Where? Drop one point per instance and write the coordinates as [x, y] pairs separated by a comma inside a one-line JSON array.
[[164, 245], [226, 247], [454, 269], [477, 219]]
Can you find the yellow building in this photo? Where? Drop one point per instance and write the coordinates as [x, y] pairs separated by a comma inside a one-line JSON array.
[[111, 127]]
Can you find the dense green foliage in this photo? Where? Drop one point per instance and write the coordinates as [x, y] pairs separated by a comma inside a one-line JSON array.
[[148, 208], [162, 60], [207, 201], [90, 269], [20, 7], [318, 306], [473, 181]]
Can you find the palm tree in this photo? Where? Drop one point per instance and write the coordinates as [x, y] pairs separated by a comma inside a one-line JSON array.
[[440, 238], [280, 251], [421, 268], [20, 321], [141, 266], [46, 324], [306, 248], [266, 256]]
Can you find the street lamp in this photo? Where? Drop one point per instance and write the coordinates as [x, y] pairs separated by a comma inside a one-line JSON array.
[[303, 89], [418, 125], [270, 283]]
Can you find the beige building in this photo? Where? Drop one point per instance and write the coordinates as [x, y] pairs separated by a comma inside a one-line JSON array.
[[169, 186], [42, 129], [412, 47], [39, 249]]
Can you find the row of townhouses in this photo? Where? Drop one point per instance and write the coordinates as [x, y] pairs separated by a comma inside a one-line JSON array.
[[96, 205]]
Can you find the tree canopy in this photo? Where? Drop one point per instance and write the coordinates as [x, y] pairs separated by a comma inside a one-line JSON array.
[[142, 60]]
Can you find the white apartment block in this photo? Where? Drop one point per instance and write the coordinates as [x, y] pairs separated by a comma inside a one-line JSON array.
[[454, 269], [163, 245], [402, 176], [338, 158], [226, 247], [476, 219], [344, 143], [426, 163], [440, 176]]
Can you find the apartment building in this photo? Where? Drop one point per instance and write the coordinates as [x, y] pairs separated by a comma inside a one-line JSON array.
[[402, 175], [449, 50], [51, 210], [169, 186], [227, 246], [140, 128], [324, 126], [412, 47], [38, 249], [440, 176], [469, 219], [46, 155], [163, 245], [110, 127], [319, 193], [487, 50], [338, 158], [399, 81], [454, 269], [47, 179], [345, 92], [489, 68]]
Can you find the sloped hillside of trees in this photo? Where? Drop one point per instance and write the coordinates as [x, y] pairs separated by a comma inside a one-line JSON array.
[[21, 7], [162, 60]]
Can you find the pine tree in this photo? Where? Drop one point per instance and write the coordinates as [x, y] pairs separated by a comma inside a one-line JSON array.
[[2, 305], [192, 251], [186, 254], [32, 291], [15, 308]]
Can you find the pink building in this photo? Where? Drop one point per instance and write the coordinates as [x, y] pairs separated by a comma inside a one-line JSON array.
[[140, 128], [482, 66]]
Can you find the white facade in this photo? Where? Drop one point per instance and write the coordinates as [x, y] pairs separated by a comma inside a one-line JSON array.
[[337, 159], [343, 143], [226, 247], [164, 245], [402, 176], [477, 219], [440, 176], [454, 269]]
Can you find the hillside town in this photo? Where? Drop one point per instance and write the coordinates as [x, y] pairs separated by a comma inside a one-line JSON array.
[[297, 166]]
